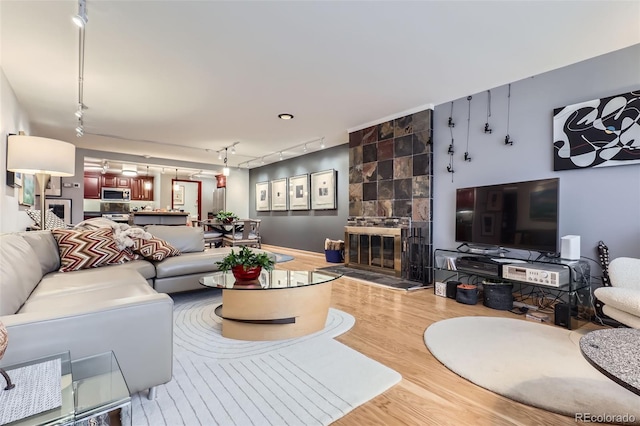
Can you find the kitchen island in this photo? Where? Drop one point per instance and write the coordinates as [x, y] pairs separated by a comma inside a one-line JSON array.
[[143, 218]]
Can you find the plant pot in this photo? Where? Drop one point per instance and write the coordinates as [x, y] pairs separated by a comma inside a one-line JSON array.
[[249, 274]]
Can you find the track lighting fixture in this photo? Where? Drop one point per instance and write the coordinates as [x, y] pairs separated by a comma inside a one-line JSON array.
[[305, 149], [81, 18], [219, 155], [233, 150]]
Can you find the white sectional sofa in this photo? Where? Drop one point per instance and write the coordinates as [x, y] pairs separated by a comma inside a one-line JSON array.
[[122, 308]]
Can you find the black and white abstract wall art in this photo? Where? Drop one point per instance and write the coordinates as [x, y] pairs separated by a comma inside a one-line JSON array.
[[598, 133]]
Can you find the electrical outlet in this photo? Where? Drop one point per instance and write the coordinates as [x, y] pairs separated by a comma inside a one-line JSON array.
[[76, 185]]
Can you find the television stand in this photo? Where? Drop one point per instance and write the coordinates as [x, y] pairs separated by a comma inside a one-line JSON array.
[[545, 282]]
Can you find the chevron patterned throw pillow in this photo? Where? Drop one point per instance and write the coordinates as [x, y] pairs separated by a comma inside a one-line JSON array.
[[88, 249], [154, 249]]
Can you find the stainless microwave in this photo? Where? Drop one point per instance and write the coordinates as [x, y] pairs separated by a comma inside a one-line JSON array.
[[116, 194]]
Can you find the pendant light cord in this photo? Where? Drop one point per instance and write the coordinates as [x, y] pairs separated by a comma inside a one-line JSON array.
[[507, 139], [466, 154], [487, 128], [451, 149]]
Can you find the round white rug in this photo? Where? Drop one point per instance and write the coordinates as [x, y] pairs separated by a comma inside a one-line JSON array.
[[536, 364]]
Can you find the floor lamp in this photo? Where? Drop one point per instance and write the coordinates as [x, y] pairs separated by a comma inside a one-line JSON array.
[[42, 157]]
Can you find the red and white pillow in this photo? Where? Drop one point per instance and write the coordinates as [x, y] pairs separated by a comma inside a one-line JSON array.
[[89, 249], [154, 248]]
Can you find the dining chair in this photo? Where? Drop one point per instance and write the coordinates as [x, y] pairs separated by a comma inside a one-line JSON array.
[[246, 232], [212, 236]]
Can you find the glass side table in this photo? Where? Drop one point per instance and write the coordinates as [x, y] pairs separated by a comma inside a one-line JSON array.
[[100, 391], [94, 392], [63, 415]]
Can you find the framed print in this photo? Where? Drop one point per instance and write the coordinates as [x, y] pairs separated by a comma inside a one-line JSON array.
[[279, 194], [323, 190], [61, 208], [27, 194], [54, 187], [262, 196], [178, 196], [299, 192]]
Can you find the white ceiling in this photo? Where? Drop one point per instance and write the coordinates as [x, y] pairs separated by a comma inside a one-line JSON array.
[[182, 77]]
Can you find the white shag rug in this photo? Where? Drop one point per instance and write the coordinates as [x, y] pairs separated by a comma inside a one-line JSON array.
[[312, 380], [536, 364]]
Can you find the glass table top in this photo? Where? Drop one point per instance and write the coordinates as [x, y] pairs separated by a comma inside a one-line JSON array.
[[98, 384], [61, 415], [88, 386], [268, 280]]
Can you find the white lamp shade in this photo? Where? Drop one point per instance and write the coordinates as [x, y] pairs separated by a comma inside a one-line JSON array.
[[32, 154]]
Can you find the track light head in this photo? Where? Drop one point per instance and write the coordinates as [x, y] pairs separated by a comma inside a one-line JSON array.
[[81, 18], [280, 155], [219, 155], [233, 149], [322, 144]]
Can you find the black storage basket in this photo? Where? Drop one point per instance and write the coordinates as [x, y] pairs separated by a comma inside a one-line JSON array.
[[497, 296]]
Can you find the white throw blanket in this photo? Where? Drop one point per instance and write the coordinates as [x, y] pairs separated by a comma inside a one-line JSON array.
[[122, 233]]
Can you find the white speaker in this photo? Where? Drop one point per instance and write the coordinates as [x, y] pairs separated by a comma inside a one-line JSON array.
[[570, 247]]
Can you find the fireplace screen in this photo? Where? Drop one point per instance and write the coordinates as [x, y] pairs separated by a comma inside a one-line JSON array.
[[375, 249]]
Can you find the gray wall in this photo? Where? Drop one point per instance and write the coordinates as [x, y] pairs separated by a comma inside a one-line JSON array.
[[597, 203], [304, 230]]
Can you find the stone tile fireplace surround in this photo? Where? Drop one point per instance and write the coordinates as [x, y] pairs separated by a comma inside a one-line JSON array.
[[390, 173]]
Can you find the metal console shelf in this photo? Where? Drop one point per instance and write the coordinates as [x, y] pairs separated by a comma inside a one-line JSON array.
[[574, 290]]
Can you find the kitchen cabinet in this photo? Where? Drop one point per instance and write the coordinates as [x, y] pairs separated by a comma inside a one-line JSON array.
[[92, 187], [138, 189], [93, 184], [113, 181]]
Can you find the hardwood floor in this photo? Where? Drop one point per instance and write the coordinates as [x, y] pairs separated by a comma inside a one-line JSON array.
[[389, 328]]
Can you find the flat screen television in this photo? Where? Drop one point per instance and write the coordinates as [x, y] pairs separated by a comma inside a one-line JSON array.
[[518, 215]]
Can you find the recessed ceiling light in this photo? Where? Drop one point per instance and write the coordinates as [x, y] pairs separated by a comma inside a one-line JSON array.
[[285, 116]]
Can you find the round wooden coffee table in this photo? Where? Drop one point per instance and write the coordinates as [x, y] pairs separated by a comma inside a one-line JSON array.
[[278, 305]]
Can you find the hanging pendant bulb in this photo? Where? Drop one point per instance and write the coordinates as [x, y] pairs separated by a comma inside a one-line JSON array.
[[147, 182], [176, 187], [225, 169]]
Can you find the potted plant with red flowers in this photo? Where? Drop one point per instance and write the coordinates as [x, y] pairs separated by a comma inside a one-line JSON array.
[[246, 265]]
